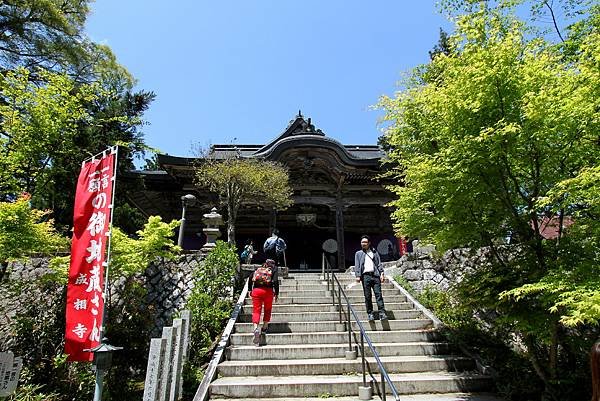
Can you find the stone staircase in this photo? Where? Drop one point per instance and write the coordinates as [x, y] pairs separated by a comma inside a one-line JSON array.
[[304, 354]]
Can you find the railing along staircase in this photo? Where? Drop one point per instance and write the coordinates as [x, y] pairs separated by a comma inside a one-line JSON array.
[[311, 351]]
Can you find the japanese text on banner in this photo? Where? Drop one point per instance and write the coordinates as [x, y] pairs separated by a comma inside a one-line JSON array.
[[91, 222]]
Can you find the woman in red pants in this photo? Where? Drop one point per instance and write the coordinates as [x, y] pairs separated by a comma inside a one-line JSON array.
[[264, 287]]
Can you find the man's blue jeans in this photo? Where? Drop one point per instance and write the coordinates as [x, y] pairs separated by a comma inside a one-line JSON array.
[[371, 281]]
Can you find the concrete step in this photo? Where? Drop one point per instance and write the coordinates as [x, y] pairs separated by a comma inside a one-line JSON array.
[[313, 274], [328, 307], [318, 286], [335, 337], [308, 351], [328, 316], [315, 327], [354, 299], [412, 397], [300, 281], [341, 366], [356, 291], [345, 385]]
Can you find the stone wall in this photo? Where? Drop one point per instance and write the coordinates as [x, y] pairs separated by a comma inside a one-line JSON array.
[[423, 268], [169, 284]]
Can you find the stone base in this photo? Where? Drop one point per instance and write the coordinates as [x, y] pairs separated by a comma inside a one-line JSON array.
[[365, 393], [351, 355], [208, 247]]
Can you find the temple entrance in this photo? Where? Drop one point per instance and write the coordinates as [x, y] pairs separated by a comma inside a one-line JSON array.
[[305, 248]]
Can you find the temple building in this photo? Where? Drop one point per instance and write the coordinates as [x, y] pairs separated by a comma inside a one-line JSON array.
[[336, 192]]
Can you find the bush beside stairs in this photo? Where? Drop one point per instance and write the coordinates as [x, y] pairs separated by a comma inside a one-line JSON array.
[[304, 354]]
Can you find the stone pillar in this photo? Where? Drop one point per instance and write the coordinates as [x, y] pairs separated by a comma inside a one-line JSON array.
[[156, 363], [164, 392], [177, 361]]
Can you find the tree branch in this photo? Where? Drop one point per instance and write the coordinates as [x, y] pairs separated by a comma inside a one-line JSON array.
[[554, 20]]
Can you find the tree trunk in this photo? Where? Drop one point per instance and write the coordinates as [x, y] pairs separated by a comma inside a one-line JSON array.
[[231, 225]]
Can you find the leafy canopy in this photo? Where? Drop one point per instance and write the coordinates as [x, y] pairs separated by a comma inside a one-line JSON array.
[[50, 35], [240, 181], [489, 141], [210, 304], [501, 124], [24, 231], [38, 124], [129, 255]]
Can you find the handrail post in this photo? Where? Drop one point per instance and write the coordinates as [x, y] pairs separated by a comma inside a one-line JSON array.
[[362, 354], [349, 329], [332, 288], [364, 392], [340, 300], [382, 386], [323, 266], [326, 270]]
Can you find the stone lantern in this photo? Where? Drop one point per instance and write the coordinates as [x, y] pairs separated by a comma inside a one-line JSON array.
[[212, 221]]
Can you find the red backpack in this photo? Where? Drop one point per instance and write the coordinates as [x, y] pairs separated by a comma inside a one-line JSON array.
[[263, 275]]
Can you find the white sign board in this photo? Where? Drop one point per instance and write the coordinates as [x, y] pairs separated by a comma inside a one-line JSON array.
[[10, 368]]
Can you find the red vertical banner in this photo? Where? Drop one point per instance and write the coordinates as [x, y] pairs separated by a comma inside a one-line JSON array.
[[91, 225], [402, 246]]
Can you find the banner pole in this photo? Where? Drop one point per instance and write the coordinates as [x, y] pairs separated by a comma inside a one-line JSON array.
[[115, 150], [100, 371]]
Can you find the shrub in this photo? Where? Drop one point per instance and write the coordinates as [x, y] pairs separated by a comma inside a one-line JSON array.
[[210, 304], [36, 330], [24, 231]]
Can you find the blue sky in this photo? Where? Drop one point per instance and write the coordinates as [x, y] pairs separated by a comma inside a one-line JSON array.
[[238, 71]]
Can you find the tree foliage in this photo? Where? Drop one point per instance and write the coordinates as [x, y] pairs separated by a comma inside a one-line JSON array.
[[64, 98], [490, 140], [240, 181], [130, 256], [49, 126], [210, 304], [24, 231], [50, 35], [38, 124], [38, 318]]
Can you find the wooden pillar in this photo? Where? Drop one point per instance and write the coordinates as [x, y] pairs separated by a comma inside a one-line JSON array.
[[272, 221], [339, 225]]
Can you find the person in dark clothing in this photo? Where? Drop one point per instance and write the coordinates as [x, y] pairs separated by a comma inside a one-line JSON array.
[[409, 245], [369, 271], [275, 247], [263, 286]]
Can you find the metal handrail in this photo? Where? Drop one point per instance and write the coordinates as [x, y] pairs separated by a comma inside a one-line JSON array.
[[363, 335]]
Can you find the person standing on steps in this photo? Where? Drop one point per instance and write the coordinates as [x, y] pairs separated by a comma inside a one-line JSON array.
[[369, 271], [248, 252], [263, 286], [275, 247]]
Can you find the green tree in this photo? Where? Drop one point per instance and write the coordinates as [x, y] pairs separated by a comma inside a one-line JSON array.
[[37, 125], [239, 181], [36, 32], [40, 320], [49, 126], [50, 35], [47, 38], [24, 231], [210, 304], [487, 138]]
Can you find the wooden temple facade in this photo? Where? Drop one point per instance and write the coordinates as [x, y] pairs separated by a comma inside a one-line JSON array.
[[336, 192]]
